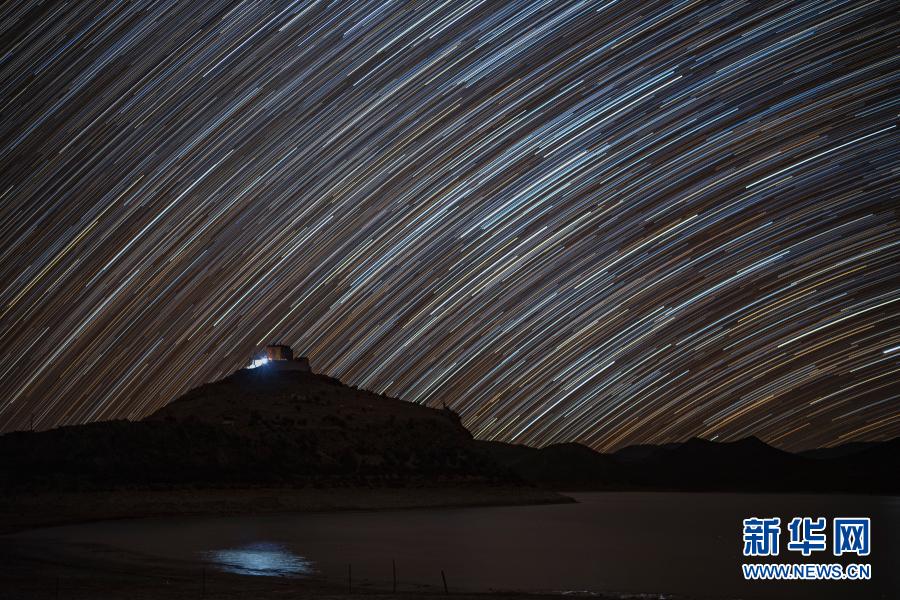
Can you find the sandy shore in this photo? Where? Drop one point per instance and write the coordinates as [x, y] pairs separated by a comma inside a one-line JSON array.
[[18, 512], [34, 573], [30, 569]]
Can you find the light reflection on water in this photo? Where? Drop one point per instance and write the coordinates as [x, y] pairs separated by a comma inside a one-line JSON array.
[[266, 559]]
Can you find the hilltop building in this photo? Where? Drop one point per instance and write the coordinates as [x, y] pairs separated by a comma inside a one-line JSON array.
[[279, 352], [280, 357]]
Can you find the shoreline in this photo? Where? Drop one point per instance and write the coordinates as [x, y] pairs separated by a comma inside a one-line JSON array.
[[38, 569], [21, 512]]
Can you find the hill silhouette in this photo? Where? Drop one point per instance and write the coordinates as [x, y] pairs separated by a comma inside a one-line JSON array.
[[273, 427], [259, 426]]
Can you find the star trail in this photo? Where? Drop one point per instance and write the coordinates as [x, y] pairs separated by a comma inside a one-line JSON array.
[[610, 222]]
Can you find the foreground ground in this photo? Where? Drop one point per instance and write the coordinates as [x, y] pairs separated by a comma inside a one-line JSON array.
[[32, 570], [25, 511]]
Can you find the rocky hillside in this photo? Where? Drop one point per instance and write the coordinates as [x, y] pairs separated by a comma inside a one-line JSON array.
[[259, 426]]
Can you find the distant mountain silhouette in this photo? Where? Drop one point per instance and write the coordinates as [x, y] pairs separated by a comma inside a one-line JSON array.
[[838, 451], [701, 465]]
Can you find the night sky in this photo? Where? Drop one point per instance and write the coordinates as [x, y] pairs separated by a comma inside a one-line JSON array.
[[611, 222]]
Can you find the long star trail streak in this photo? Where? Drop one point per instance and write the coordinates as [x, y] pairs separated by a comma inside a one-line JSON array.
[[612, 222]]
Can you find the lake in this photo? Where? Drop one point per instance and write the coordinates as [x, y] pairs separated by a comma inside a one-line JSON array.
[[676, 543]]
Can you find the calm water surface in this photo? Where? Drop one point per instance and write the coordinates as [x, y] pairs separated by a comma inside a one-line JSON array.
[[609, 542]]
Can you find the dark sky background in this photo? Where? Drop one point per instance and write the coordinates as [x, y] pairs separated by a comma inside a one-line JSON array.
[[614, 222]]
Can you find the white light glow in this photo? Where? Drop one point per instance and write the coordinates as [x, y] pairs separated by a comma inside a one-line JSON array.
[[267, 559], [257, 362]]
